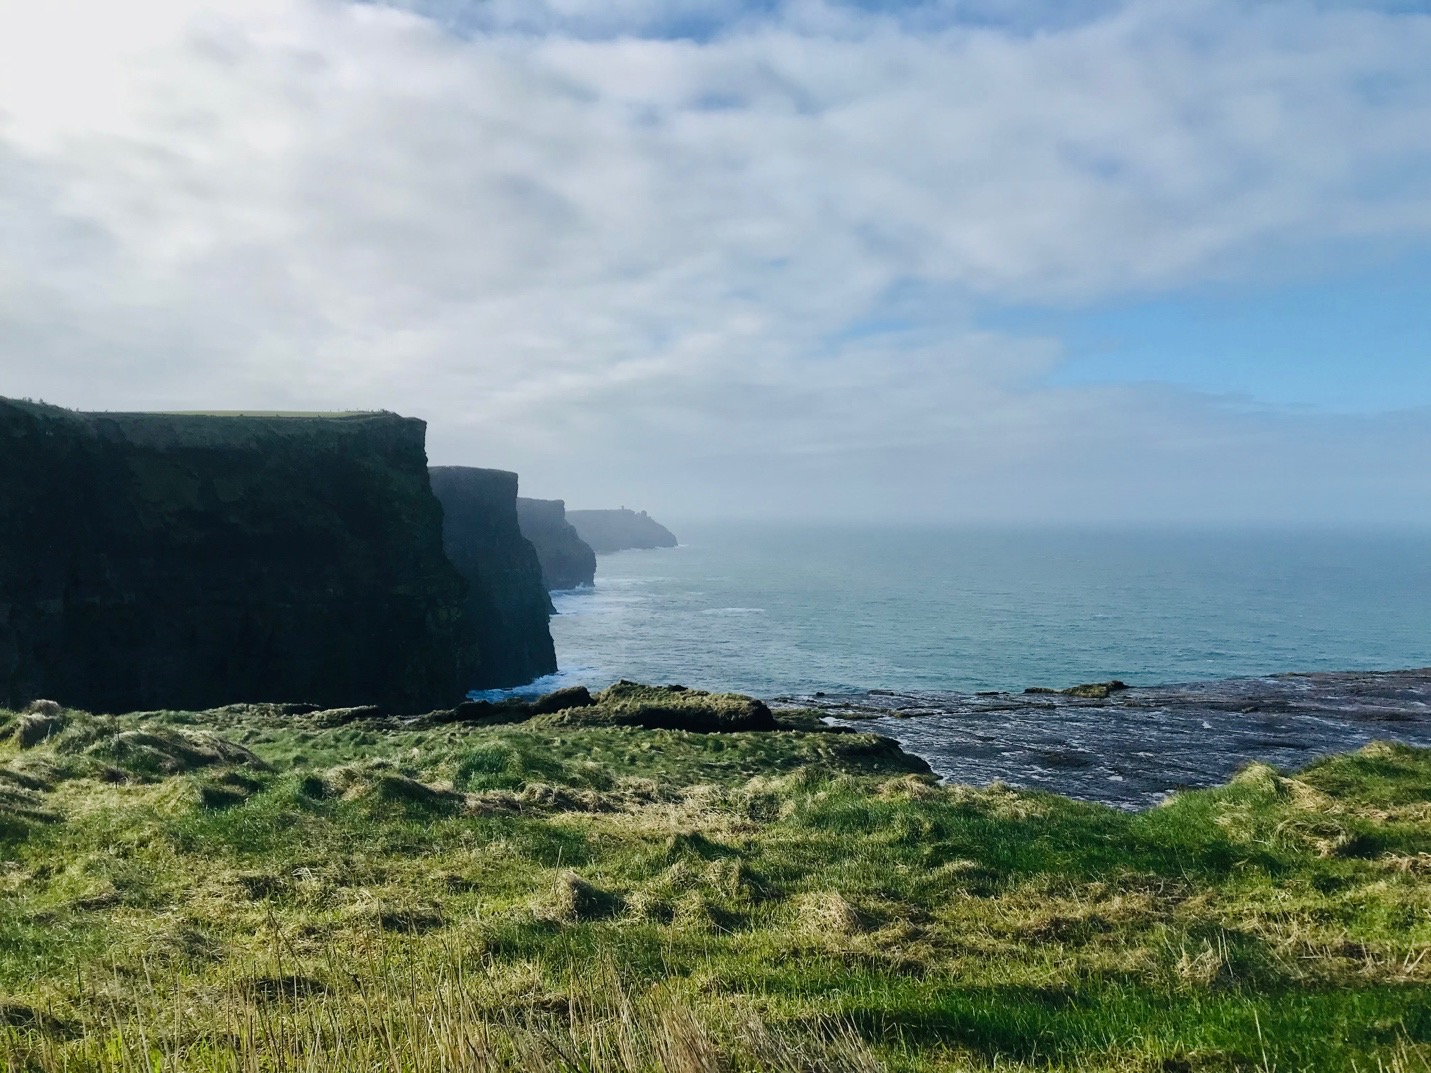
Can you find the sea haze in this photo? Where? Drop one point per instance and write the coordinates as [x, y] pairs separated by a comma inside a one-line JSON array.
[[793, 609]]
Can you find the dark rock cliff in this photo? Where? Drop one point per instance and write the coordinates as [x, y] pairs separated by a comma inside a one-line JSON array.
[[507, 601], [567, 561], [187, 561], [616, 530]]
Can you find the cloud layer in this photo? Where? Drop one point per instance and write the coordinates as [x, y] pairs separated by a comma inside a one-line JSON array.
[[740, 268]]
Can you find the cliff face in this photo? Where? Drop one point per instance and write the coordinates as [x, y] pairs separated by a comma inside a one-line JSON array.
[[189, 561], [507, 601], [567, 562], [616, 530]]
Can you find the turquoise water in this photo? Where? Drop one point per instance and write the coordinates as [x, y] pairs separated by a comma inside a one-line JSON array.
[[786, 609]]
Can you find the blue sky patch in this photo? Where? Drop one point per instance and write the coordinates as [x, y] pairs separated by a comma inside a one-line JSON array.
[[1345, 344]]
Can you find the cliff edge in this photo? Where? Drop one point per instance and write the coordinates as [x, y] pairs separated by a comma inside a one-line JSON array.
[[507, 601], [567, 561], [616, 530], [194, 560]]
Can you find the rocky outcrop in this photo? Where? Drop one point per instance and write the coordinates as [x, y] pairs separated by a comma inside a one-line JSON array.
[[616, 530], [567, 561], [188, 561], [507, 600]]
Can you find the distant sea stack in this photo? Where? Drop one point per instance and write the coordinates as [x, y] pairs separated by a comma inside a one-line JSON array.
[[193, 560], [507, 600], [616, 530], [567, 561]]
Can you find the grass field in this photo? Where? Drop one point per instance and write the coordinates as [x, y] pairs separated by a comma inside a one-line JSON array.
[[256, 889]]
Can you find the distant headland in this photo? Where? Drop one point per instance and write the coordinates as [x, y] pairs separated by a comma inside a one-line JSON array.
[[619, 530]]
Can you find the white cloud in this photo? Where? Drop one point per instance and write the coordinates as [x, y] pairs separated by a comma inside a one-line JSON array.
[[617, 262]]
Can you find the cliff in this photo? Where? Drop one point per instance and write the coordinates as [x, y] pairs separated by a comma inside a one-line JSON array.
[[188, 561], [616, 530], [507, 601], [567, 561]]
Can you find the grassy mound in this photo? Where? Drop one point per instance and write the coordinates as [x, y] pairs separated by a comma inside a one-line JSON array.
[[271, 888], [668, 708], [625, 704]]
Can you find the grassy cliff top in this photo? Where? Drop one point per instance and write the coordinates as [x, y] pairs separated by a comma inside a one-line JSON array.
[[34, 407], [249, 428], [327, 414], [581, 884], [212, 427], [227, 417]]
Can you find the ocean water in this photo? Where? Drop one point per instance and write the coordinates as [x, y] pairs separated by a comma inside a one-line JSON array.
[[931, 635], [787, 609]]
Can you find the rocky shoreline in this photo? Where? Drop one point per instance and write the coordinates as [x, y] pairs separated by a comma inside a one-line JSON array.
[[1132, 747]]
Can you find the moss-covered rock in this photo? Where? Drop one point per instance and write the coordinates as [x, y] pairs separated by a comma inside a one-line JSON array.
[[1086, 691], [561, 700], [1096, 690], [671, 708]]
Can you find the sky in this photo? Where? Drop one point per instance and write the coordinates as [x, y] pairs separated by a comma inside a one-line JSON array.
[[1150, 261]]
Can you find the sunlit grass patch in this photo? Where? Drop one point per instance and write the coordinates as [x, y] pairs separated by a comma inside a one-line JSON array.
[[272, 889]]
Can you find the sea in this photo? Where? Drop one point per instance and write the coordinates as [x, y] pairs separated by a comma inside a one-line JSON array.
[[931, 634]]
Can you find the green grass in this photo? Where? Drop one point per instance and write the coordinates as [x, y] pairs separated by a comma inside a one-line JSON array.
[[249, 889]]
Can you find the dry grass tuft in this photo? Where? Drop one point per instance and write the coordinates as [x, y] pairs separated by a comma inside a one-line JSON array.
[[910, 787], [162, 750], [1207, 966], [573, 899], [827, 912], [430, 1019], [1261, 776], [34, 728]]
